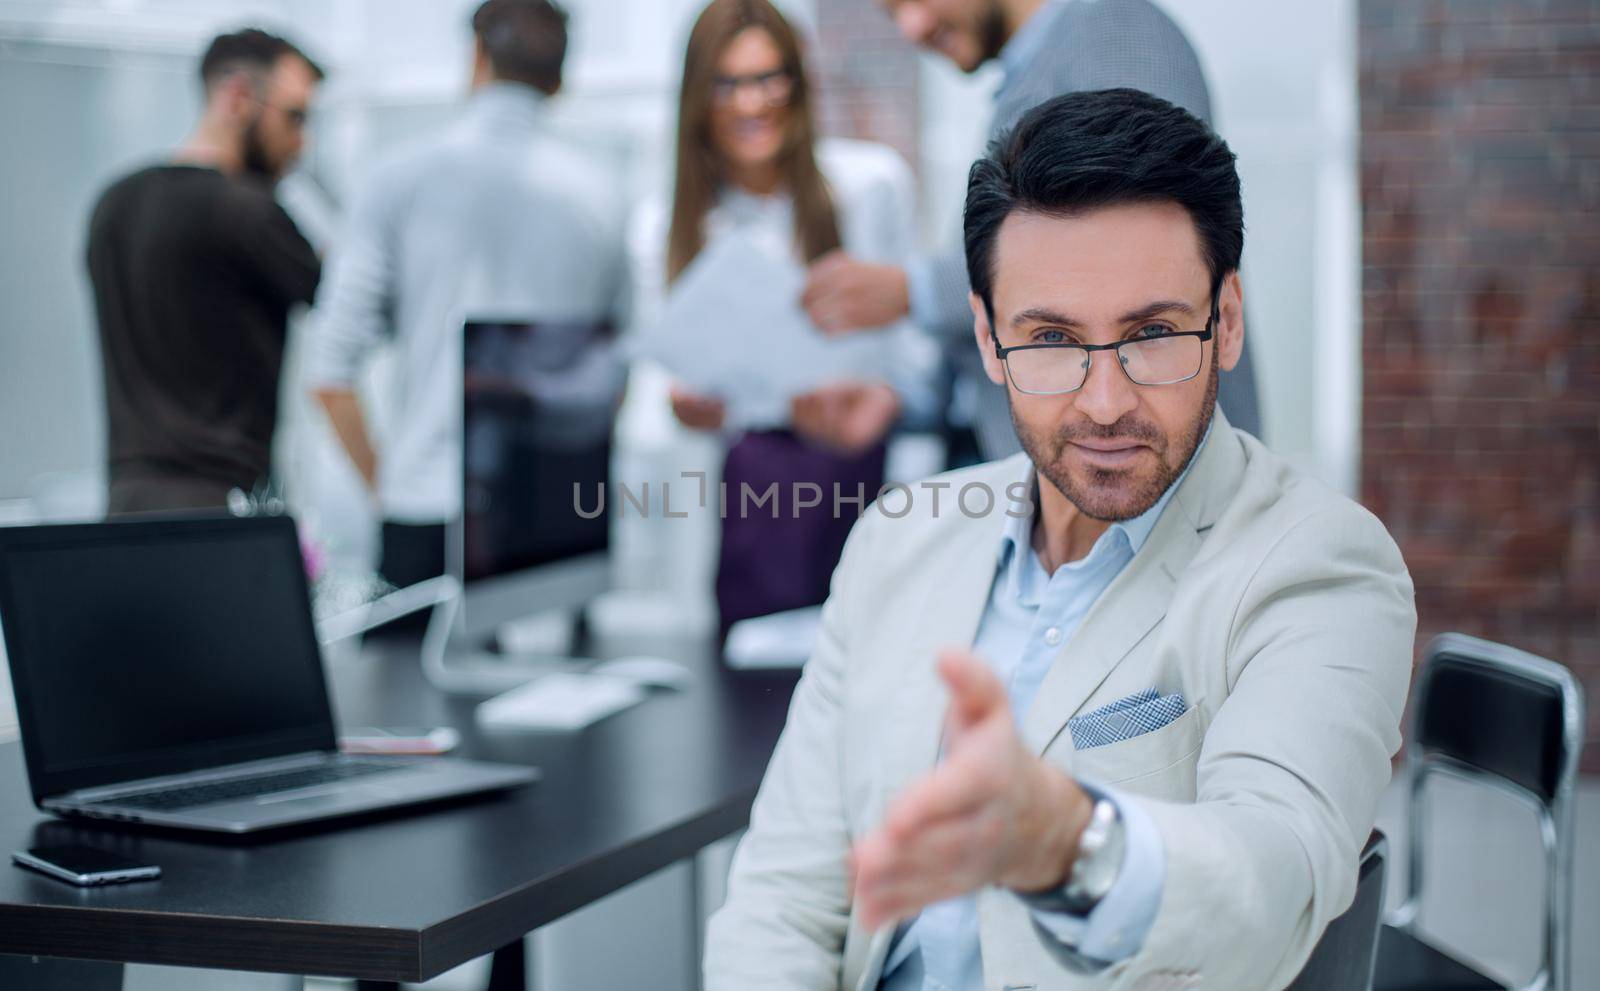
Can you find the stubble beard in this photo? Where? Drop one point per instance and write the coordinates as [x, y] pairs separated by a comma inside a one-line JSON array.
[[992, 34], [1116, 495], [258, 164]]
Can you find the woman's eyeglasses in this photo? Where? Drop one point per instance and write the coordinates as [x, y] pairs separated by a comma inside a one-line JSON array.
[[775, 88]]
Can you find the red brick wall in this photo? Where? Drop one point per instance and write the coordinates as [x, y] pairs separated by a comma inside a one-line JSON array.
[[1480, 188], [867, 75]]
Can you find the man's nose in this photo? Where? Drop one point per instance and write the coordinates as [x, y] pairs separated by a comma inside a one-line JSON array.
[[1107, 394]]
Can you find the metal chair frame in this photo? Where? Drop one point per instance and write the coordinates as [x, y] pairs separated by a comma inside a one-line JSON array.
[[1555, 818]]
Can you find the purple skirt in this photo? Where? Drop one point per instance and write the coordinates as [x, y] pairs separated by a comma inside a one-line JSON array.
[[778, 553]]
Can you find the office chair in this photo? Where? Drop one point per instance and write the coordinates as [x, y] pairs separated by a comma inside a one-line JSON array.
[[1489, 714], [1343, 958]]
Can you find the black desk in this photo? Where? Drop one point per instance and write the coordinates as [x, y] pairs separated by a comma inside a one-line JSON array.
[[410, 895]]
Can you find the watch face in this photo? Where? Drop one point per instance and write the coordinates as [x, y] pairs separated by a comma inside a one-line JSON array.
[[1099, 859]]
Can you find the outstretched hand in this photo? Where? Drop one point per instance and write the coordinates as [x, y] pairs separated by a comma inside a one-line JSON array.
[[991, 813]]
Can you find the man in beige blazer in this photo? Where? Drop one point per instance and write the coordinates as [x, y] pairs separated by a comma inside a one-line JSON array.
[[1114, 713]]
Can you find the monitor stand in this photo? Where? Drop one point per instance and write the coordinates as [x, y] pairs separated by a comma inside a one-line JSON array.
[[469, 669], [486, 672]]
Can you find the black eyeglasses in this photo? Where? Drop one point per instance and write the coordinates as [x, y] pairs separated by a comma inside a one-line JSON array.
[[1057, 369], [776, 87]]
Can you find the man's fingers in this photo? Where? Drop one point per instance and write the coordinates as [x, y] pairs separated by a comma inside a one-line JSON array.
[[895, 878], [830, 262], [950, 790], [882, 905], [830, 313], [975, 692], [822, 275]]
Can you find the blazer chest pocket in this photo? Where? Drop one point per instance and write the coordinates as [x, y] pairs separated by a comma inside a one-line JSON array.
[[1159, 763]]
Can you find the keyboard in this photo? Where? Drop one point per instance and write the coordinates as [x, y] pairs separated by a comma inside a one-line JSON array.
[[560, 701], [232, 789]]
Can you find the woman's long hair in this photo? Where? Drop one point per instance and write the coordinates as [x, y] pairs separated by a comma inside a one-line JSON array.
[[699, 166]]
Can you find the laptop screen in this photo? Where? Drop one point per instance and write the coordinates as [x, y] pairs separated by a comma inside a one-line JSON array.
[[149, 648]]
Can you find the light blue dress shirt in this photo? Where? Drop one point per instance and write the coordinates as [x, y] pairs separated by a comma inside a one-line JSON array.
[[1030, 615]]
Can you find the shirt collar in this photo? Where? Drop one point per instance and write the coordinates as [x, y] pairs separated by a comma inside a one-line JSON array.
[[506, 103], [1020, 49], [1018, 534], [742, 202]]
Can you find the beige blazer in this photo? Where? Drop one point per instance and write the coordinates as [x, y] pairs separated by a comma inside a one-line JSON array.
[[1280, 609]]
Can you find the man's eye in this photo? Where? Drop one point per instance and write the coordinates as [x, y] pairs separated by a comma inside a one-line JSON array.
[[1152, 330], [1050, 337]]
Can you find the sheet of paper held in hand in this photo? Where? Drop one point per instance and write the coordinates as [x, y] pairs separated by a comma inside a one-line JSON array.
[[732, 326]]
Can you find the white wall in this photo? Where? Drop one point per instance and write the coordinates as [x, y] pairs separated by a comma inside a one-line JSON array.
[[1283, 81]]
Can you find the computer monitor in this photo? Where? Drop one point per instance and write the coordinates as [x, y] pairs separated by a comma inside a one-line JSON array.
[[539, 408]]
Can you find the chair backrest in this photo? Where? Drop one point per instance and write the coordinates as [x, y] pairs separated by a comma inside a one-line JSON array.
[[1500, 711], [1499, 716], [1348, 950]]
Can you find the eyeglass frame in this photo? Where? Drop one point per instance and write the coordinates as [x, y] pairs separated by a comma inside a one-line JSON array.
[[1204, 335], [760, 80]]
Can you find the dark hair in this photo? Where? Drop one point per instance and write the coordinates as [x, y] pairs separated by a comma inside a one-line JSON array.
[[250, 49], [526, 40], [1092, 149]]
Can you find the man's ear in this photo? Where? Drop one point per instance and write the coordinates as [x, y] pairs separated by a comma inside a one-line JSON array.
[[235, 98], [1230, 313], [984, 335]]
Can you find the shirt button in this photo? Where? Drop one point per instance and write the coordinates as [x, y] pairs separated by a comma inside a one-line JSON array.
[[1052, 636]]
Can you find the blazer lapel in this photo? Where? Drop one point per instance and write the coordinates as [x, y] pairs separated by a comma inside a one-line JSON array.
[[960, 573], [1128, 610], [1137, 600]]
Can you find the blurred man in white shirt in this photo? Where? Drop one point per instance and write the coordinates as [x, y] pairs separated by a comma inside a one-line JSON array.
[[491, 217]]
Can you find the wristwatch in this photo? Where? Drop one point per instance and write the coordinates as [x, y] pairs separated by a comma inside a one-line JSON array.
[[1094, 869]]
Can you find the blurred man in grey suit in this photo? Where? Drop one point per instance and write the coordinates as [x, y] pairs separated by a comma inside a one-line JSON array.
[[1045, 48]]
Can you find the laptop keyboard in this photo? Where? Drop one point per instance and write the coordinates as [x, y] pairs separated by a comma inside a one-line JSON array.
[[233, 789]]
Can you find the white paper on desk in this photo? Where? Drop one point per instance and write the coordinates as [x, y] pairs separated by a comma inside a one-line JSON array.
[[779, 640], [732, 326]]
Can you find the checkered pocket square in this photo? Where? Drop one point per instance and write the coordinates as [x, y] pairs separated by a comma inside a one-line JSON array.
[[1138, 714]]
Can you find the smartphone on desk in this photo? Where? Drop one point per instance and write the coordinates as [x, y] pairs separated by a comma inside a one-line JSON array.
[[84, 866]]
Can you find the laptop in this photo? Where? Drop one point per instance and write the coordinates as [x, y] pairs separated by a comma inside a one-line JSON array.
[[166, 671]]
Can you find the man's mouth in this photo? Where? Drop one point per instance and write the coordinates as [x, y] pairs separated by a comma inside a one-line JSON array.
[[1108, 453]]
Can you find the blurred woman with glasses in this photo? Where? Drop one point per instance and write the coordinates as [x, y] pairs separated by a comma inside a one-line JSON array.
[[748, 162]]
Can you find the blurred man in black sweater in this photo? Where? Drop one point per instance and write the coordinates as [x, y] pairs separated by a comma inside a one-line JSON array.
[[195, 268]]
